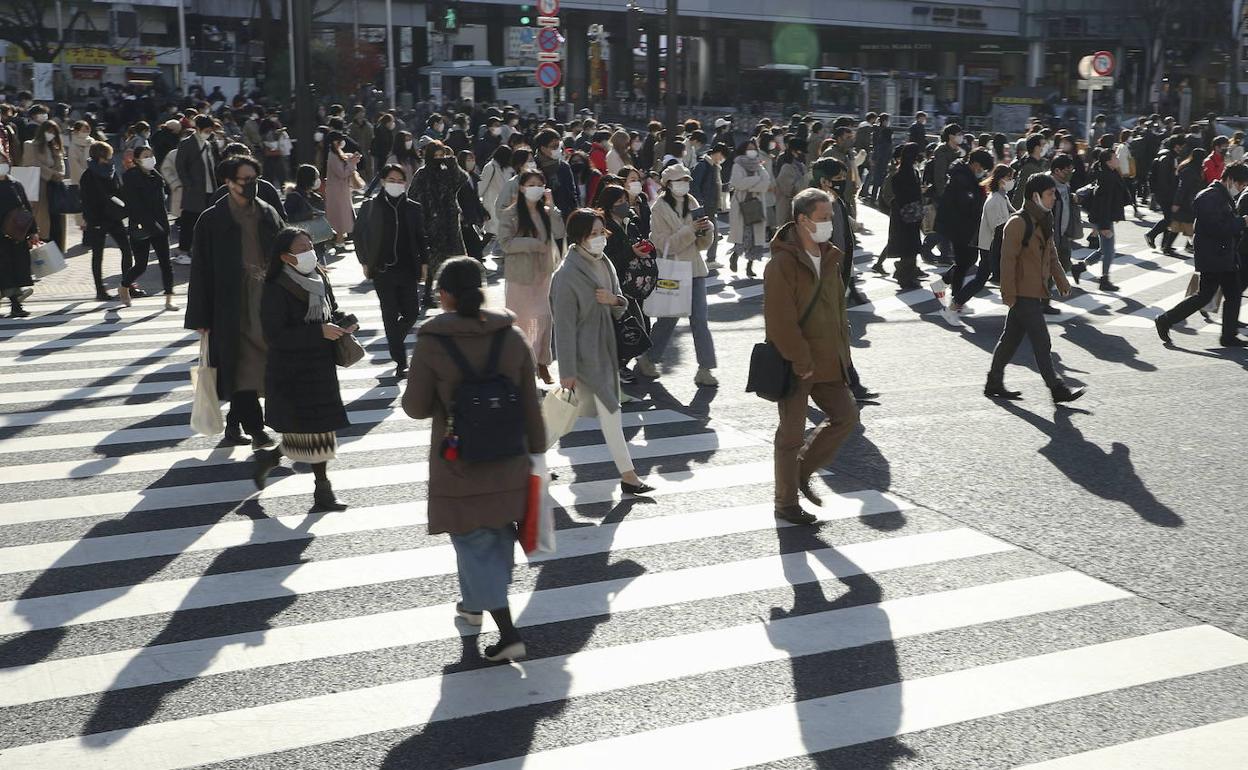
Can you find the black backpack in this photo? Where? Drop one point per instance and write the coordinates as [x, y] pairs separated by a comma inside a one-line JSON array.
[[486, 417]]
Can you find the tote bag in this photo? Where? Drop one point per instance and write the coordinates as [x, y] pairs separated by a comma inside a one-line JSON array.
[[206, 417], [560, 409], [317, 228], [673, 293], [46, 259]]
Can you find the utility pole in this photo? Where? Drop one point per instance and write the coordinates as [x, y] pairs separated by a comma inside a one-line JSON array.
[[305, 109], [673, 28], [390, 87]]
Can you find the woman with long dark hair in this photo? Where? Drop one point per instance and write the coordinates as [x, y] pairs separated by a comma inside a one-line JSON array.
[[473, 215], [15, 277], [494, 177], [436, 188], [477, 504], [632, 258], [905, 216], [302, 399], [47, 152], [340, 169], [1105, 209], [638, 201], [527, 232]]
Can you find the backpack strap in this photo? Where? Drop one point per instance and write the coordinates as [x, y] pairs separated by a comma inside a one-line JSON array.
[[457, 356], [496, 351]]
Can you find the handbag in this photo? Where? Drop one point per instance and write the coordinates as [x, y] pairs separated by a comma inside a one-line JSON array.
[[673, 293], [537, 528], [347, 350], [752, 211], [318, 229], [206, 417], [560, 408], [64, 198], [912, 213], [18, 224], [631, 337], [46, 259], [771, 376]]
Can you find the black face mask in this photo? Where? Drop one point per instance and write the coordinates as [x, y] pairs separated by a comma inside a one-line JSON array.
[[839, 187], [250, 189], [621, 209]]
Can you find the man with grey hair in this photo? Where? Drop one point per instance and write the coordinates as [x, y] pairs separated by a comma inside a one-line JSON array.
[[805, 318]]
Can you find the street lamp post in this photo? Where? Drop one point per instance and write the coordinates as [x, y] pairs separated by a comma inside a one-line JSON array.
[[390, 89], [673, 22]]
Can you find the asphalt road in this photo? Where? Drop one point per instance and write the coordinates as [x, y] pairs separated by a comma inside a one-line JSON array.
[[991, 585]]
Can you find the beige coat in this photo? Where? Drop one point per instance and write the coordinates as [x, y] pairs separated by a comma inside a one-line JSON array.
[[527, 259], [744, 186], [465, 496], [673, 236], [51, 166]]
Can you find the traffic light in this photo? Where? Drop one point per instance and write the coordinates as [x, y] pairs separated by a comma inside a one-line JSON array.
[[450, 20], [526, 15]]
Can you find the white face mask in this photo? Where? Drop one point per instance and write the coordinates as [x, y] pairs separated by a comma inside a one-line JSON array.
[[636, 146], [534, 193], [318, 136], [634, 189], [680, 189], [1007, 185], [4, 170], [823, 232], [1039, 201], [205, 135], [751, 153], [148, 163], [40, 118], [395, 189], [305, 261], [496, 130], [596, 245], [407, 144]]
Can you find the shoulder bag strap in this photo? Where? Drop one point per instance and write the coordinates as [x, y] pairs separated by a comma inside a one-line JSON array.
[[496, 351], [457, 356]]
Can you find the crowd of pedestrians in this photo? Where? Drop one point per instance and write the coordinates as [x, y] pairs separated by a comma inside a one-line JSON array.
[[586, 221]]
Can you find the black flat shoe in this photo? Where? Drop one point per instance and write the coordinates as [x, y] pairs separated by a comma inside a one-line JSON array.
[[1151, 240], [1106, 285], [1050, 310], [234, 435], [732, 264], [795, 515], [1064, 395], [635, 489], [1163, 329], [400, 372], [135, 291], [1077, 270], [1233, 342], [103, 296], [749, 270], [261, 440], [998, 391]]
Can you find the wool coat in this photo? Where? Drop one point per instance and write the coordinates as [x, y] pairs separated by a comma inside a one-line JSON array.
[[214, 297], [436, 189], [1218, 230], [746, 185], [674, 236], [585, 328], [528, 259], [301, 393], [14, 255], [194, 175], [464, 496], [144, 194]]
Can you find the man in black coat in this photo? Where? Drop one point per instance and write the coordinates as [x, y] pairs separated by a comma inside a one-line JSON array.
[[1218, 230], [1163, 181], [223, 295], [196, 162], [957, 218]]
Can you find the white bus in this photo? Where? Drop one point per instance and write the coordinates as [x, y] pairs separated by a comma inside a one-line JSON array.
[[835, 93], [482, 81]]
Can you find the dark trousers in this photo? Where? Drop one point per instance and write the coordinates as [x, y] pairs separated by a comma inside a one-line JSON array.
[[1209, 285], [186, 229], [96, 236], [1025, 319], [245, 411], [399, 294], [987, 267], [964, 256], [1162, 224], [159, 244]]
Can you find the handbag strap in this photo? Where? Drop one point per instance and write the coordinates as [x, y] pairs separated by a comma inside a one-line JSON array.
[[204, 355]]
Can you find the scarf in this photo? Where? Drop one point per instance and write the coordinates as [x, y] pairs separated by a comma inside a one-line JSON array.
[[749, 164], [1042, 218], [102, 170], [318, 302]]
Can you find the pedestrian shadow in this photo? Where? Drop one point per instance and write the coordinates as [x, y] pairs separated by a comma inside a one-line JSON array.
[[1109, 475], [450, 739], [871, 665], [1105, 347], [126, 705], [74, 573]]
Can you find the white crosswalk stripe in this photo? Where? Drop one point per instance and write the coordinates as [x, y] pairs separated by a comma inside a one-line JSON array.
[[156, 611]]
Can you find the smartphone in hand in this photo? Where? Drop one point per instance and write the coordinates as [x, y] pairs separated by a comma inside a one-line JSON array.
[[699, 213]]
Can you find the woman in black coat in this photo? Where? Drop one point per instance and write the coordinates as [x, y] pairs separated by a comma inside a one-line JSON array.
[[144, 190], [634, 265], [302, 398], [304, 203], [104, 212], [15, 278], [1189, 180], [905, 216], [436, 188], [473, 216]]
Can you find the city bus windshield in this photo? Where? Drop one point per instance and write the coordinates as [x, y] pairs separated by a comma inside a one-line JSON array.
[[835, 97]]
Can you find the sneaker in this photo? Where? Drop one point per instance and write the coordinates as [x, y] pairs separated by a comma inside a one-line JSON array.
[[646, 368], [471, 618], [1105, 285], [704, 378], [951, 317], [181, 258], [713, 265]]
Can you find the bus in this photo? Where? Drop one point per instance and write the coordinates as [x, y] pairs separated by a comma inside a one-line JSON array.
[[482, 81], [835, 93], [783, 84]]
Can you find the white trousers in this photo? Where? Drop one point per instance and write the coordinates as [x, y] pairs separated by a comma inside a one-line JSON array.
[[612, 426]]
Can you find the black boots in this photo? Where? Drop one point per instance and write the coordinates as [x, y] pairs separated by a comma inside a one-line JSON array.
[[17, 311], [266, 461], [323, 498], [1064, 395]]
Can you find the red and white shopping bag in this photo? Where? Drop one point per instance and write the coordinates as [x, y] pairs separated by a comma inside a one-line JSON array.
[[537, 528]]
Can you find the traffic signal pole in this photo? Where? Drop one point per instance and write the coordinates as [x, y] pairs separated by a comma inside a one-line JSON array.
[[673, 22], [305, 110]]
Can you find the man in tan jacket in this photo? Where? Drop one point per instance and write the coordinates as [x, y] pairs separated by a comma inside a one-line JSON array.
[[1028, 261], [805, 318]]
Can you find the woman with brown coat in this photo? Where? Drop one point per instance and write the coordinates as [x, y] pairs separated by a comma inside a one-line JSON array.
[[476, 503]]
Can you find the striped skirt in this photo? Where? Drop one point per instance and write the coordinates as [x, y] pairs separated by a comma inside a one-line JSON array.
[[310, 447]]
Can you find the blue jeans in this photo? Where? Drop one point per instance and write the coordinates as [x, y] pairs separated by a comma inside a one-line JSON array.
[[485, 557], [1105, 253], [703, 345]]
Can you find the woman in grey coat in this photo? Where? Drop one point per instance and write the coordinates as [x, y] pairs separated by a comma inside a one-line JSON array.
[[587, 302]]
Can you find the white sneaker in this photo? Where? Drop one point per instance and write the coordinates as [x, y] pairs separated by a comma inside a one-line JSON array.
[[713, 265], [951, 317], [181, 258]]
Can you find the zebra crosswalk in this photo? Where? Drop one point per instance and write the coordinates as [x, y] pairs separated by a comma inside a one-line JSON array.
[[157, 612]]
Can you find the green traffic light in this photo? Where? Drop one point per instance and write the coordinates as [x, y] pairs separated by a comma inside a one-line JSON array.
[[525, 21]]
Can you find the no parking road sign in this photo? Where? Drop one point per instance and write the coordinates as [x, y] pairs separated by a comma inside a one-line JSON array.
[[548, 39], [549, 74], [548, 7]]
